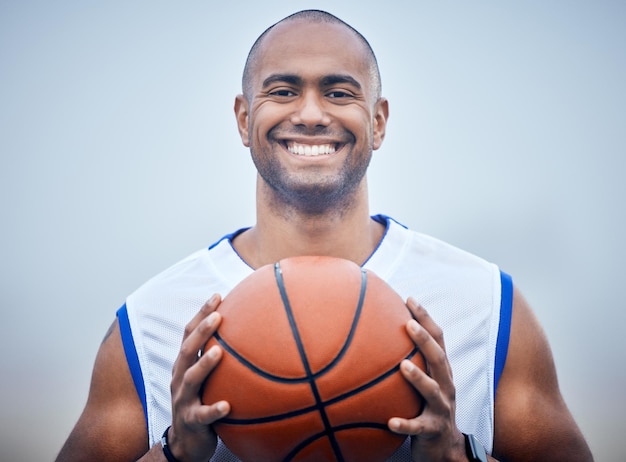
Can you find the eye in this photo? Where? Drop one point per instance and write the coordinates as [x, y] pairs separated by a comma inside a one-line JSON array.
[[338, 94], [282, 92]]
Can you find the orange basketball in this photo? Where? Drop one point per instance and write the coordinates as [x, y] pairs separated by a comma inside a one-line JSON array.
[[311, 366]]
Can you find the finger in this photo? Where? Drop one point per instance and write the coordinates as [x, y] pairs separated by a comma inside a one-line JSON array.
[[426, 386], [194, 341], [403, 426], [433, 352], [209, 306], [208, 414], [422, 425], [428, 346], [435, 393], [424, 319], [425, 423], [198, 338], [195, 375]]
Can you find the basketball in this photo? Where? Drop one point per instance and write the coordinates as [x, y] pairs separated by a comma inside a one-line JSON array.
[[312, 347]]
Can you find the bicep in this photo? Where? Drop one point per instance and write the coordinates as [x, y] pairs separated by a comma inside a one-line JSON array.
[[112, 425], [532, 421]]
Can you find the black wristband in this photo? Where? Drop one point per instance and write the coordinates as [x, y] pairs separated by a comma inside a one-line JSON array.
[[474, 450], [166, 449]]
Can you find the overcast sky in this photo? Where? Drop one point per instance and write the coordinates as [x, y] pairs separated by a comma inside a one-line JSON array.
[[120, 156]]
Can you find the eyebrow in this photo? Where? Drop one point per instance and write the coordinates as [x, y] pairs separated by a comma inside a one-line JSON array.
[[334, 79], [326, 81], [282, 78]]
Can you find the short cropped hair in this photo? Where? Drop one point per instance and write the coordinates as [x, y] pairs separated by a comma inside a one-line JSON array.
[[315, 16]]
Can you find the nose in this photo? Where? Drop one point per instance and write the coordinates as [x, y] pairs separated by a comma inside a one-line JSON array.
[[310, 111]]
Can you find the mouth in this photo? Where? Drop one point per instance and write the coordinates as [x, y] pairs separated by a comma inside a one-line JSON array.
[[312, 150]]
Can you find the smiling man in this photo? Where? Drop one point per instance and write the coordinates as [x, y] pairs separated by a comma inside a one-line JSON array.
[[312, 113]]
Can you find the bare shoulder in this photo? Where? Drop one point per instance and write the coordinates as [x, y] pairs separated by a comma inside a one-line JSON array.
[[532, 421], [112, 425]]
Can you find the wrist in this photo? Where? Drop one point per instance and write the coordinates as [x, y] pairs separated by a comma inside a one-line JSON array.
[[167, 449], [474, 449], [437, 451]]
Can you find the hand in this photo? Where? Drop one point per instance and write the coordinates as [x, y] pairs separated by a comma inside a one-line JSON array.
[[191, 437], [435, 436]]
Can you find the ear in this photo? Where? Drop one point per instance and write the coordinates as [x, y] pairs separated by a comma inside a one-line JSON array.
[[381, 115], [241, 114]]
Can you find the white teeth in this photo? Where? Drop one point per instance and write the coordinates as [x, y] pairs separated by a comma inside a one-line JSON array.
[[310, 150]]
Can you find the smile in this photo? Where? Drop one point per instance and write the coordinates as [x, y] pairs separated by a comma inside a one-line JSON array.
[[311, 149]]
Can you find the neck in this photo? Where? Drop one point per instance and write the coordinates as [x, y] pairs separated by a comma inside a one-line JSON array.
[[282, 232]]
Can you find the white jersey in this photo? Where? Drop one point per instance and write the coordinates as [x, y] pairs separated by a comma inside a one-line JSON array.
[[469, 298]]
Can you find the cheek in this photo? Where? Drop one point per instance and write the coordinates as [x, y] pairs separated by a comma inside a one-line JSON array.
[[263, 120], [362, 128]]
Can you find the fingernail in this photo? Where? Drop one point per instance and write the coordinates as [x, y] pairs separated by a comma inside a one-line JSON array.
[[211, 319], [222, 407], [408, 365], [213, 352], [414, 326], [394, 424]]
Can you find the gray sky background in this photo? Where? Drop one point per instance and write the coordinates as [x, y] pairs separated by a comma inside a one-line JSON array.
[[120, 156]]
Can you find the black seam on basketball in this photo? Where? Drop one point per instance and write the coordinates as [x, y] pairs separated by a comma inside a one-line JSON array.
[[371, 383], [304, 443], [269, 418], [329, 402], [276, 378], [319, 405], [305, 362], [256, 369], [263, 373]]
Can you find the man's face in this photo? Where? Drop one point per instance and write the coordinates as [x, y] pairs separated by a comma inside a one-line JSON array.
[[311, 118]]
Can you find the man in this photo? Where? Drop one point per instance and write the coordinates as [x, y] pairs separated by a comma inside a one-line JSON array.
[[311, 113]]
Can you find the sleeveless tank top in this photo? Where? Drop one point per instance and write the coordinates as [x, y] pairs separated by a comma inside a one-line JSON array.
[[468, 297]]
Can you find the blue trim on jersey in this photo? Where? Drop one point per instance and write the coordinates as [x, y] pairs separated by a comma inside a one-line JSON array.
[[379, 218], [131, 356], [504, 329], [384, 220], [230, 236]]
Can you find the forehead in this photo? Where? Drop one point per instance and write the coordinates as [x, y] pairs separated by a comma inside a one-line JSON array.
[[312, 50]]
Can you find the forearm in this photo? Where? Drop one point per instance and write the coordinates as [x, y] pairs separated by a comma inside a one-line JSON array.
[[155, 454]]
